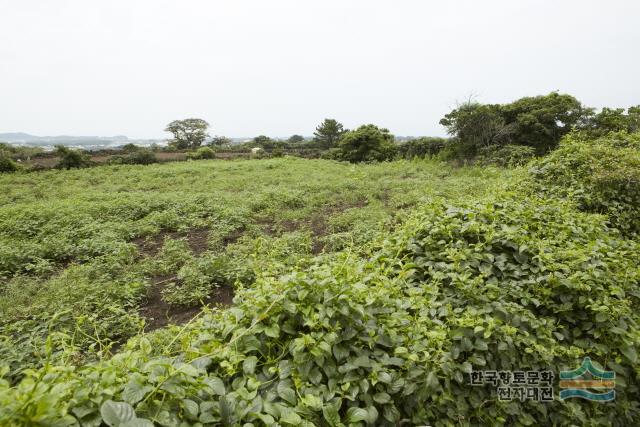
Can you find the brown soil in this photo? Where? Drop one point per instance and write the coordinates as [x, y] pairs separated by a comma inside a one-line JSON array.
[[159, 314], [151, 245], [317, 223]]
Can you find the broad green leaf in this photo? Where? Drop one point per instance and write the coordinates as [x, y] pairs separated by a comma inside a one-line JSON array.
[[116, 413]]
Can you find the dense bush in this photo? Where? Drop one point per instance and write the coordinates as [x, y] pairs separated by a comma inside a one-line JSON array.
[[421, 147], [388, 341], [610, 120], [137, 156], [6, 163], [365, 144], [539, 122], [202, 153], [602, 176], [71, 158], [505, 155]]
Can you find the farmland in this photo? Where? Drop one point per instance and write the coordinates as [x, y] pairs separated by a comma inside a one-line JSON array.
[[102, 254], [290, 291]]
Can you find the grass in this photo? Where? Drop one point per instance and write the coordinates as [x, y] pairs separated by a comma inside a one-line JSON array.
[[113, 250]]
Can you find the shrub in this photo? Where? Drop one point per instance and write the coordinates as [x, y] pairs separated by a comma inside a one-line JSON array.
[[7, 164], [421, 147], [515, 285], [277, 152], [139, 156], [72, 159], [602, 176], [202, 153], [367, 143], [505, 155]]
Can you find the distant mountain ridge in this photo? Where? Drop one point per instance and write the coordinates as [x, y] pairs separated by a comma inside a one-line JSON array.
[[22, 137]]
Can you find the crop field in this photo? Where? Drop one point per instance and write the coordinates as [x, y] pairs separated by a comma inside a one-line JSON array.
[[103, 254], [289, 291]]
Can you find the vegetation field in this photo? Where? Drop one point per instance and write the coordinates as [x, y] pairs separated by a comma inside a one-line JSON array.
[[113, 251], [290, 291]]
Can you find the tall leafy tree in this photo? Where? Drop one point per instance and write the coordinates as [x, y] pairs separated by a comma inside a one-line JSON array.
[[295, 139], [476, 126], [367, 143], [187, 133], [613, 120], [328, 133], [219, 141], [541, 121]]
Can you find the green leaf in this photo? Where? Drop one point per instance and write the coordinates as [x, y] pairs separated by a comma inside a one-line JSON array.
[[116, 413], [137, 422], [191, 408], [356, 414], [382, 398], [134, 392], [289, 416], [272, 331], [286, 393], [249, 365], [216, 385], [331, 415], [629, 352]]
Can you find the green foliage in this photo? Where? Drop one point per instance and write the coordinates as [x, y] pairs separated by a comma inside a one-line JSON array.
[[72, 159], [612, 120], [421, 147], [388, 340], [202, 153], [602, 176], [295, 139], [93, 242], [187, 133], [218, 141], [505, 155], [475, 126], [328, 133], [135, 156], [539, 122], [7, 164], [16, 152], [266, 143], [366, 144]]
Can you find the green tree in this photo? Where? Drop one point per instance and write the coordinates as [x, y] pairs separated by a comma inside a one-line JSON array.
[[541, 121], [219, 141], [633, 114], [72, 159], [295, 139], [188, 133], [367, 143], [6, 163], [610, 120], [476, 126], [328, 133], [266, 142]]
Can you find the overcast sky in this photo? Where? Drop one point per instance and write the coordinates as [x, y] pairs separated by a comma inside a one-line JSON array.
[[278, 67]]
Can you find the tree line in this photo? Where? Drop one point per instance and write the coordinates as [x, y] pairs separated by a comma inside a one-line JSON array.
[[505, 134]]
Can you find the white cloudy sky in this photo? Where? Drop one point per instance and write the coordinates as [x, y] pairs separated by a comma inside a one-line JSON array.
[[278, 67]]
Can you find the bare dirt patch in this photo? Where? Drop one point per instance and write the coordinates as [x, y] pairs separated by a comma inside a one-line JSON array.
[[197, 240], [317, 223], [159, 314]]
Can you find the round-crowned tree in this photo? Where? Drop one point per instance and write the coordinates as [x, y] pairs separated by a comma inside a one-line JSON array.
[[366, 144]]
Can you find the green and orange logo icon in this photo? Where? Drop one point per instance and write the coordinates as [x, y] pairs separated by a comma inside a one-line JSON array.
[[581, 381]]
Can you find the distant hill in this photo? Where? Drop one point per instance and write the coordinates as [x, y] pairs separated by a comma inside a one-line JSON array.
[[86, 142]]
